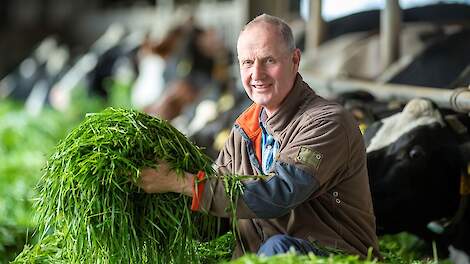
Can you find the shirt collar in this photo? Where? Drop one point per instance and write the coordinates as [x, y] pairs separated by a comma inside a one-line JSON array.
[[262, 117]]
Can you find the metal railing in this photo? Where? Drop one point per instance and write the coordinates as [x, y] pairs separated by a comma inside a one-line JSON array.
[[457, 99]]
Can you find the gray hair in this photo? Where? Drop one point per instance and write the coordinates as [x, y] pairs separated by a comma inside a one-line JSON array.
[[281, 25]]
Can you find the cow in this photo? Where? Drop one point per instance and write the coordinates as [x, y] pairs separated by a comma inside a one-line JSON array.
[[441, 63], [416, 159], [19, 83], [110, 61], [32, 80], [197, 67]]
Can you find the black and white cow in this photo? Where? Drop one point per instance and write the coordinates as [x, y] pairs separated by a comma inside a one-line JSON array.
[[441, 63], [19, 83], [123, 54], [32, 80], [416, 159]]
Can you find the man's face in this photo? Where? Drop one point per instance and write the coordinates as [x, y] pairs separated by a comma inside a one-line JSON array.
[[267, 68]]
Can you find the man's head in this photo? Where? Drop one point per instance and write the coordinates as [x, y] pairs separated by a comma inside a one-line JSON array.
[[268, 61]]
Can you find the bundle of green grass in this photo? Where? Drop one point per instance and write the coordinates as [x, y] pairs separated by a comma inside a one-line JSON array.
[[88, 194]]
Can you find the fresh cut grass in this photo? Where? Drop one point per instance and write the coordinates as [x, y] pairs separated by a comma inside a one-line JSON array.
[[88, 196]]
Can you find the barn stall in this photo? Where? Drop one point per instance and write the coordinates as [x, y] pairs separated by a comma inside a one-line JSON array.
[[151, 57]]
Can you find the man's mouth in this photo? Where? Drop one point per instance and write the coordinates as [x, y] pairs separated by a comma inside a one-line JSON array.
[[261, 86]]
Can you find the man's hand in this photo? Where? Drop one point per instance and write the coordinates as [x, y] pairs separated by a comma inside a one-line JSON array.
[[163, 179]]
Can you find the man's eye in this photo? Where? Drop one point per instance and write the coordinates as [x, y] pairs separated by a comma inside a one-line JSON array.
[[270, 60], [247, 63]]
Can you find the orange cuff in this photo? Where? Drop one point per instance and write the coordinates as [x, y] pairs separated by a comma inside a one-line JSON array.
[[197, 192]]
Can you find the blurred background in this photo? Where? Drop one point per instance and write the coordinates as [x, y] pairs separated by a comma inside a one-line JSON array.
[[176, 59]]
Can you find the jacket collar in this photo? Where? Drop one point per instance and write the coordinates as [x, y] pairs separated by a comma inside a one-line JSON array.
[[290, 107], [249, 121]]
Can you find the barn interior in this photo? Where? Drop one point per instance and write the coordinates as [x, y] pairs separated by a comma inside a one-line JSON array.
[[401, 67]]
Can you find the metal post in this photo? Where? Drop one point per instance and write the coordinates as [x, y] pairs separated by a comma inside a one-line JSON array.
[[281, 8], [278, 8], [390, 19], [167, 5], [246, 13], [315, 26]]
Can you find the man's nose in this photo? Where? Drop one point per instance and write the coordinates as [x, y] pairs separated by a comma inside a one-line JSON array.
[[258, 71]]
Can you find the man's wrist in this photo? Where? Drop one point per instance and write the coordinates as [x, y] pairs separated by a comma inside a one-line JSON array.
[[187, 186]]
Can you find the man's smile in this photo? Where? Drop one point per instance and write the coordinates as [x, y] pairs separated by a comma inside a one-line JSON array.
[[261, 87]]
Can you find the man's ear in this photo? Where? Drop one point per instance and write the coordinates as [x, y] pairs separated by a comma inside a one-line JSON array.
[[296, 58]]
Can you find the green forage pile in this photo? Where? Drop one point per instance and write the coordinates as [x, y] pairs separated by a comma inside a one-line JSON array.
[[88, 193]]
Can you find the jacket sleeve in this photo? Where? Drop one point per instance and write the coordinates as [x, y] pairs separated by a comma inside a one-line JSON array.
[[214, 199]]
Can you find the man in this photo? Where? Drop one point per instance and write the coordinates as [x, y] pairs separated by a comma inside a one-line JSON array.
[[316, 195]]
